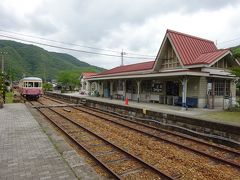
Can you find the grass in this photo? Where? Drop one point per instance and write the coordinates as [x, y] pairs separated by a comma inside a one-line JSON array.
[[9, 97], [223, 116]]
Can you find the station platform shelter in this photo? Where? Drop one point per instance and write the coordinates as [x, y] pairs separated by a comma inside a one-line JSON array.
[[188, 71]]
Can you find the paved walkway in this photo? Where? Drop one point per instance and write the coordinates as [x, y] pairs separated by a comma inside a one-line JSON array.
[[177, 110], [25, 150]]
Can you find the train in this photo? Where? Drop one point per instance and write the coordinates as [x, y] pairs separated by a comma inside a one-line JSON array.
[[31, 88]]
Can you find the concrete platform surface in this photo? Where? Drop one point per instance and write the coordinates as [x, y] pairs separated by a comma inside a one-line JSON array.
[[25, 150], [177, 110], [198, 113]]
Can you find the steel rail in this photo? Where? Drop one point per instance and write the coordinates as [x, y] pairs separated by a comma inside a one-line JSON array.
[[161, 174], [151, 167], [126, 118], [161, 130], [168, 141], [102, 164], [113, 114]]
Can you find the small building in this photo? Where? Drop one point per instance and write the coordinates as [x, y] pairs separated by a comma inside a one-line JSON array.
[[187, 71], [85, 85]]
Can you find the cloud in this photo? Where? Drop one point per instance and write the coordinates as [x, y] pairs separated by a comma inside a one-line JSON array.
[[91, 20], [136, 25]]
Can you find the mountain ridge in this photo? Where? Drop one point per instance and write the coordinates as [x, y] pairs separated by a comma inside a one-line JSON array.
[[30, 60]]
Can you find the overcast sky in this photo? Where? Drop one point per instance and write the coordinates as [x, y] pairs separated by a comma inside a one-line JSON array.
[[136, 26]]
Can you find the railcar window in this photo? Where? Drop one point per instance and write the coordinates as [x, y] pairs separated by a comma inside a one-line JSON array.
[[30, 84], [36, 84]]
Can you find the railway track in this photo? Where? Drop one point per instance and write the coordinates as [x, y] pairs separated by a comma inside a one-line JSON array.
[[118, 162], [216, 152]]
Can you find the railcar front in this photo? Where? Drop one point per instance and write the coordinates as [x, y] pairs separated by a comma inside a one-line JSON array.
[[31, 88]]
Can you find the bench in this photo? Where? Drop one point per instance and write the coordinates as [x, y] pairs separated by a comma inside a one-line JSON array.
[[190, 102]]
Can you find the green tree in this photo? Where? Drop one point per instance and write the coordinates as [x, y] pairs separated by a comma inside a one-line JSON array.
[[47, 86], [236, 52], [236, 71], [69, 79]]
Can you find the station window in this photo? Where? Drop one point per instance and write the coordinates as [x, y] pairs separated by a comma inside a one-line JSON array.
[[129, 86], [146, 86], [222, 88], [120, 85], [115, 86]]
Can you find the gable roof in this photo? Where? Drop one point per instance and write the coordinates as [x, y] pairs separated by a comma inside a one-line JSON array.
[[129, 68], [88, 74], [210, 57], [190, 48]]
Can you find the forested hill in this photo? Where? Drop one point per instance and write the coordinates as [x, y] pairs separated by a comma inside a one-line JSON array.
[[236, 51], [29, 60]]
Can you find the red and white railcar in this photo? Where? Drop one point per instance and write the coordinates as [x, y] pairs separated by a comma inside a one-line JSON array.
[[31, 88]]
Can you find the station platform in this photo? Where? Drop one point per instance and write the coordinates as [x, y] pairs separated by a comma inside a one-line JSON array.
[[216, 115], [25, 150], [176, 110]]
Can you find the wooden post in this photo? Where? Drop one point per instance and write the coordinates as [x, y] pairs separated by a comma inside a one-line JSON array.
[[184, 93], [111, 89], [213, 92], [224, 94], [138, 92], [124, 90]]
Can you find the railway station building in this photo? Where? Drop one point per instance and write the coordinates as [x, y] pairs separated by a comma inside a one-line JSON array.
[[85, 84], [187, 71]]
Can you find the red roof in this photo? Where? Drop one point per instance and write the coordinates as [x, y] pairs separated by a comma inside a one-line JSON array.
[[189, 48], [88, 74], [129, 68], [208, 58]]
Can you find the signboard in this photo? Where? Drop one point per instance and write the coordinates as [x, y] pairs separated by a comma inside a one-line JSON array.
[[157, 87], [209, 88]]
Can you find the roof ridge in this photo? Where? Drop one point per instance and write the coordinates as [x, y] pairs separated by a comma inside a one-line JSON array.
[[215, 51], [89, 72], [129, 68], [191, 36], [134, 64]]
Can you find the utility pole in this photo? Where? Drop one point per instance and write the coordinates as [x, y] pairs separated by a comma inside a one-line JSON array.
[[2, 85], [3, 53], [122, 53]]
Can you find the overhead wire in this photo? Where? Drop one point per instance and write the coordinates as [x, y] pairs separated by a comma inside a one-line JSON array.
[[100, 49], [73, 44], [71, 49], [228, 41]]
